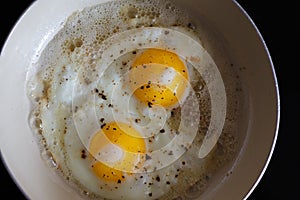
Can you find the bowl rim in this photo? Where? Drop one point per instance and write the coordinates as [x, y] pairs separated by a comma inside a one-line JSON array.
[[278, 111]]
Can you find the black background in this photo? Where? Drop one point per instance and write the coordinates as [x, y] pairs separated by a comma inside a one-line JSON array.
[[279, 23]]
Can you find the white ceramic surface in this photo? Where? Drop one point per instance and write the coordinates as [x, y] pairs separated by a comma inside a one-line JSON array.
[[40, 23]]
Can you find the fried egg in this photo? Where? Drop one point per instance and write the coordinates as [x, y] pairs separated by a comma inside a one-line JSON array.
[[117, 101]]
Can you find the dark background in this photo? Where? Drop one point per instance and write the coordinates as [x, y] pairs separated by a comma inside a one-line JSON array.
[[279, 23]]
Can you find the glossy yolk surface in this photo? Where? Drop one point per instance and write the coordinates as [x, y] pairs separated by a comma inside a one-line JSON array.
[[128, 140], [158, 77]]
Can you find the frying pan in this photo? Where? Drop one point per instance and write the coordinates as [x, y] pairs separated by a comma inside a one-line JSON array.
[[226, 17]]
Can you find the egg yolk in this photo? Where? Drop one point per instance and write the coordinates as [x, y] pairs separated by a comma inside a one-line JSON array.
[[128, 140], [158, 77]]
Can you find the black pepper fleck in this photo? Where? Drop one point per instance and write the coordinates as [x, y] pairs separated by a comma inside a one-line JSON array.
[[158, 179], [148, 157], [83, 154], [103, 97], [103, 125]]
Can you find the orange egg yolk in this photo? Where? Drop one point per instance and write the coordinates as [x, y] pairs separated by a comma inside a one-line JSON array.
[[128, 140], [158, 77]]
